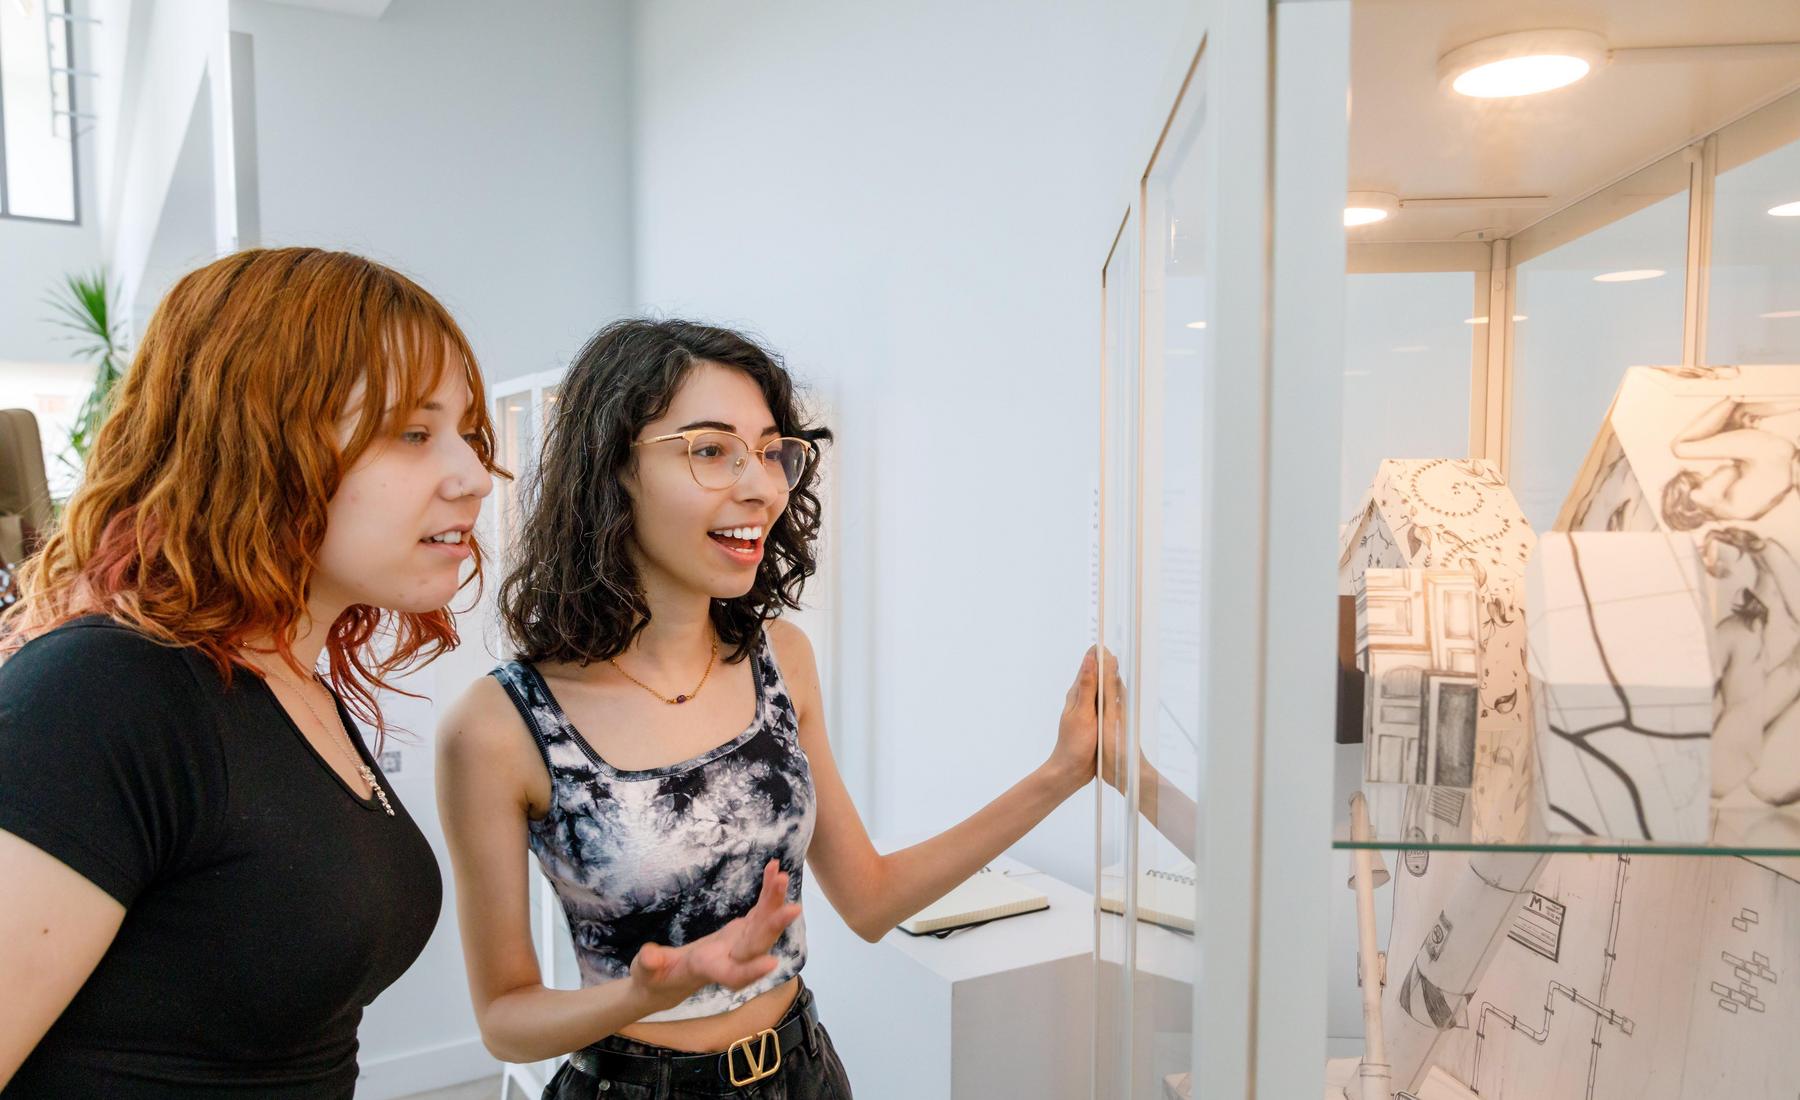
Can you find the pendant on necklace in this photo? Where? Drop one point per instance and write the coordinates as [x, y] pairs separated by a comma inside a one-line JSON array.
[[368, 775]]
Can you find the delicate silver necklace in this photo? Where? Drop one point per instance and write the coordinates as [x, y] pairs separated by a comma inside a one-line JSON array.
[[344, 746]]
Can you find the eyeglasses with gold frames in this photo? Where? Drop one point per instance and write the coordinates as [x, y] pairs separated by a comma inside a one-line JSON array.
[[717, 459]]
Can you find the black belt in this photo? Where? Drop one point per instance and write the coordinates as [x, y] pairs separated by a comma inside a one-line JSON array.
[[749, 1059]]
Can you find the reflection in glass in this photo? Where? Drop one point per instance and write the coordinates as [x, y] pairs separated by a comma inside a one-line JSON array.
[[1753, 298], [1407, 341], [1582, 329], [1165, 739], [1117, 627]]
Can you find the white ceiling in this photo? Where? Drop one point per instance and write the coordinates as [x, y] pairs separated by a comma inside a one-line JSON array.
[[366, 9], [1410, 137]]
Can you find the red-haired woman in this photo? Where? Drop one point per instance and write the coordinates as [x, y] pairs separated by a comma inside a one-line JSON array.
[[206, 875]]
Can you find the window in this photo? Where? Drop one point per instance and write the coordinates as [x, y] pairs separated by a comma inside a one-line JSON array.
[[38, 115]]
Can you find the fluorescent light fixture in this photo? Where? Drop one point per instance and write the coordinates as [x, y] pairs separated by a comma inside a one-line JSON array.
[[1786, 210], [1369, 207], [1780, 314], [1196, 324], [1475, 320], [1525, 63], [1632, 276]]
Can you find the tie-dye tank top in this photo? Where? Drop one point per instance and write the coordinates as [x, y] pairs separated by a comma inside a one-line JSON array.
[[668, 855]]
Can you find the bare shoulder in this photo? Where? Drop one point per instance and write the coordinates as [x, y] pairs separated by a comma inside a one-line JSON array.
[[794, 653], [793, 650], [482, 727]]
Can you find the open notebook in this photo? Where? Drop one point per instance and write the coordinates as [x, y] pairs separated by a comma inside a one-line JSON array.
[[1163, 897], [985, 896]]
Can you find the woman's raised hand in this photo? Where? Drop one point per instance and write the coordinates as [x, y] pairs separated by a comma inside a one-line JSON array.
[[734, 956], [1079, 737]]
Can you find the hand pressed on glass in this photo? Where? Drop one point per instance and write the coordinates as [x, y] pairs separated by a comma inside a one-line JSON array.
[[734, 956]]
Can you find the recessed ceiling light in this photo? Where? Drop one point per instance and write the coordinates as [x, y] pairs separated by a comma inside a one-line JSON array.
[[1786, 210], [1631, 276], [1780, 314], [1369, 207], [1196, 324], [1524, 63]]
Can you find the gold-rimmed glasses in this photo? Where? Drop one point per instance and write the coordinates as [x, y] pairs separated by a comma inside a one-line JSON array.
[[717, 459]]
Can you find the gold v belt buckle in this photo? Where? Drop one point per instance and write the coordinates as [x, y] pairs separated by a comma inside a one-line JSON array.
[[753, 1057]]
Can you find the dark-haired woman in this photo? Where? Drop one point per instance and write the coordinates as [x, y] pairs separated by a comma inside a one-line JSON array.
[[659, 742]]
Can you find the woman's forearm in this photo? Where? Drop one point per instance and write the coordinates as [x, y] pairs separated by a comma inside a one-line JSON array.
[[534, 1023], [1168, 808], [914, 877]]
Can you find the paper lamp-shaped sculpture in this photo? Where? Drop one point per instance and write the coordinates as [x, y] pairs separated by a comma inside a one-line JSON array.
[[1713, 454], [1622, 685], [1445, 516], [1417, 640]]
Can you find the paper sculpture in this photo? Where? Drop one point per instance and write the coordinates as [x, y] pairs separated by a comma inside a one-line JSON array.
[[1416, 638], [1622, 685], [1456, 515], [1713, 454], [1612, 977]]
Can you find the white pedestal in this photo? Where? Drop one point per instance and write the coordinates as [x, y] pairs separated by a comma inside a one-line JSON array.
[[1001, 1010]]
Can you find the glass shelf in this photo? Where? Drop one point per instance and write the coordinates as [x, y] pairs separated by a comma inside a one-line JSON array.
[[1436, 819]]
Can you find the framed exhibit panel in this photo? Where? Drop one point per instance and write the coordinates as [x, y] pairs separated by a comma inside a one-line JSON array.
[[521, 408]]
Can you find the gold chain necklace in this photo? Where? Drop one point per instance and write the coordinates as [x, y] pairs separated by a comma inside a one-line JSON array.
[[344, 747], [679, 698]]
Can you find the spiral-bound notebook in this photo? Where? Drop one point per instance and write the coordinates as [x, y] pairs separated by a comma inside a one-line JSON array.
[[1163, 897], [985, 896]]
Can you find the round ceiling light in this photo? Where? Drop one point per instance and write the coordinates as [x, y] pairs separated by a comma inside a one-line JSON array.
[[1369, 207], [1524, 63]]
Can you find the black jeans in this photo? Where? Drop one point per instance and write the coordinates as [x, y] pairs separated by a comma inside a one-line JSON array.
[[810, 1070]]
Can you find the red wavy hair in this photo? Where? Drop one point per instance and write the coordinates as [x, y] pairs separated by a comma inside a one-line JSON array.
[[203, 506]]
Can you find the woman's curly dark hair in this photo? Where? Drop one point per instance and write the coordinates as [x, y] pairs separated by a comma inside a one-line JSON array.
[[571, 591]]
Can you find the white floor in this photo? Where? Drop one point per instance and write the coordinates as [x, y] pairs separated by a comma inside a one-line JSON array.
[[488, 1088]]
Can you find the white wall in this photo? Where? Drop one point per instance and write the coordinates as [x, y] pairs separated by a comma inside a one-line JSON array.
[[912, 202], [481, 149], [173, 47]]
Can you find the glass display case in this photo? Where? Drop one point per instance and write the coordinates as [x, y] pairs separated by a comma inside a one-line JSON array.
[[1529, 252]]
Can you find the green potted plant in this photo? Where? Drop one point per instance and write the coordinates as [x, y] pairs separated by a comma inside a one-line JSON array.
[[83, 305]]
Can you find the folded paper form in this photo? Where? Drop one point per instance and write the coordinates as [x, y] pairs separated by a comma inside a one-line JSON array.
[[1436, 558], [1622, 684], [1712, 455]]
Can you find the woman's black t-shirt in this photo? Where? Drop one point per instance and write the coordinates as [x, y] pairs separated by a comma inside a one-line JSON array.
[[267, 903]]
